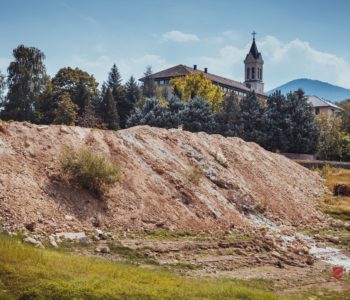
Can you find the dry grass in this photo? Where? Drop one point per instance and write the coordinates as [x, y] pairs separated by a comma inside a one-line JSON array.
[[337, 206]]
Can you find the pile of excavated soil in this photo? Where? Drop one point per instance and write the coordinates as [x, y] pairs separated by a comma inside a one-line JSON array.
[[156, 190]]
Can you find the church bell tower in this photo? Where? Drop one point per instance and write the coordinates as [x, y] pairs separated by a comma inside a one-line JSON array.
[[253, 64]]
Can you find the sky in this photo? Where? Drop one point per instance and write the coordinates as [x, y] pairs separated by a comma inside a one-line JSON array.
[[297, 39]]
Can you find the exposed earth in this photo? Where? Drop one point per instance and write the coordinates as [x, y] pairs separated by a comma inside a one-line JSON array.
[[248, 213]]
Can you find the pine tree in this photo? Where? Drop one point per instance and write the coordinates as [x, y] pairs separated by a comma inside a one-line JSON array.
[[148, 86], [131, 96], [197, 116], [109, 111], [252, 119], [152, 113], [66, 111], [175, 109], [26, 80], [302, 133], [228, 116], [278, 122], [114, 83]]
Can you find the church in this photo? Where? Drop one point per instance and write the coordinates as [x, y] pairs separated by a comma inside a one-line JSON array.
[[253, 74]]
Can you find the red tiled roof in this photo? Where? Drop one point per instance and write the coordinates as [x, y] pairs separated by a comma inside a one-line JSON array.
[[182, 70]]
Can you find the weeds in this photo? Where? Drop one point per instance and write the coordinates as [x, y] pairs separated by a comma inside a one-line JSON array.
[[194, 174], [220, 158], [89, 170]]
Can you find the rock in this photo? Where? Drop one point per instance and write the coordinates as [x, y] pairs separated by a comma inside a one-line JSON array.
[[103, 236], [71, 235], [68, 218], [337, 223], [96, 238], [84, 240], [332, 239], [30, 226], [53, 244], [103, 249], [64, 129], [33, 241], [42, 127], [310, 260], [98, 232], [347, 225]]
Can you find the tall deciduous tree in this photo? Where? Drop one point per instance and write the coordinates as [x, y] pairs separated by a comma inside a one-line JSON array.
[[26, 80], [80, 85], [148, 85], [252, 119], [196, 85], [66, 111], [345, 115], [109, 111]]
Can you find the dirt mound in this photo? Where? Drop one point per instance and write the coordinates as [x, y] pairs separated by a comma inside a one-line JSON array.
[[237, 181]]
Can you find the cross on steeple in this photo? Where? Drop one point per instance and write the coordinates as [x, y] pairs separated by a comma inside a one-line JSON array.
[[254, 34]]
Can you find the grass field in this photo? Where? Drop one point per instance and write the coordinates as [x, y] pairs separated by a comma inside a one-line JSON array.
[[27, 273], [337, 206]]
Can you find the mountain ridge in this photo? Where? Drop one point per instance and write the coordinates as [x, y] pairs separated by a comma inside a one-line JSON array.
[[318, 88]]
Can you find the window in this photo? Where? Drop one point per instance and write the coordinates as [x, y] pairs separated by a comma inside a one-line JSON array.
[[161, 82], [253, 73], [317, 110], [248, 73]]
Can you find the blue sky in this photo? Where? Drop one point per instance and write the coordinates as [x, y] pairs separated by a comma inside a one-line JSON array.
[[297, 38]]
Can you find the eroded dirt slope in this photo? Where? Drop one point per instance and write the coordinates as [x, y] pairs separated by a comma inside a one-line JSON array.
[[155, 191]]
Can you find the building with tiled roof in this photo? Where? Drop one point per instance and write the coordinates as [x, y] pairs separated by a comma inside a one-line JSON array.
[[322, 106], [253, 75]]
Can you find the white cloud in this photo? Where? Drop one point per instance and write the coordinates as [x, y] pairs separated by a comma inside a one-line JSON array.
[[284, 61], [178, 36]]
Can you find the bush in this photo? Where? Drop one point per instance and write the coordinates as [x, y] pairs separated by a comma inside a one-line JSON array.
[[194, 174], [89, 170]]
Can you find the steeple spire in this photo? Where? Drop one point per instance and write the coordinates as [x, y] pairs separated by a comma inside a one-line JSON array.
[[253, 34], [254, 68]]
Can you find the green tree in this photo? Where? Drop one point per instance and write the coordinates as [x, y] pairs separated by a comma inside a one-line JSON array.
[[126, 105], [196, 85], [80, 85], [114, 83], [90, 119], [26, 81], [302, 133], [66, 111], [278, 122], [148, 85], [345, 115], [228, 116], [44, 106], [252, 119], [151, 113], [330, 139], [198, 116], [109, 111], [2, 88]]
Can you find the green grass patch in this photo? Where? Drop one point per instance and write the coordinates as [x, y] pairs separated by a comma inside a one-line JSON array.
[[28, 273]]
